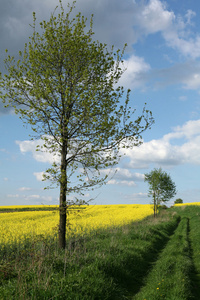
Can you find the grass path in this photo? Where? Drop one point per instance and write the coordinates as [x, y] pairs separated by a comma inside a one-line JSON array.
[[169, 277], [176, 272], [194, 241]]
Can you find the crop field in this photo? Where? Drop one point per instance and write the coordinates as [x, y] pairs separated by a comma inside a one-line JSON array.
[[183, 204], [17, 226], [113, 252]]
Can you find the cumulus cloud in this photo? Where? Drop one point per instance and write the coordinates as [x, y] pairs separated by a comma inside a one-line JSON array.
[[122, 176], [122, 182], [135, 74], [181, 146], [163, 152], [41, 156], [117, 22], [39, 175], [139, 74], [155, 17], [187, 47], [189, 130]]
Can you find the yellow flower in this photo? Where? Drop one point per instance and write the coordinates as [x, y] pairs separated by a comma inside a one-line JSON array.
[[17, 226]]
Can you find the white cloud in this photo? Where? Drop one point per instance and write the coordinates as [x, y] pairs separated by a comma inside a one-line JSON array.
[[24, 189], [41, 156], [188, 130], [189, 15], [155, 17], [13, 196], [121, 182], [31, 197], [122, 176], [135, 74], [163, 153], [155, 151], [140, 195], [39, 175], [188, 47]]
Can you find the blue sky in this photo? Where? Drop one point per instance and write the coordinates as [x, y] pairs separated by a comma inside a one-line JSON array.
[[163, 69]]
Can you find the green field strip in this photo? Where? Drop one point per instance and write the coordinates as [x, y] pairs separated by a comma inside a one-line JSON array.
[[128, 266], [194, 235], [169, 278]]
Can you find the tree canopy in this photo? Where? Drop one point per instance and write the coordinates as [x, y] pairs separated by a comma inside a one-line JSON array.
[[161, 187], [178, 200], [65, 85]]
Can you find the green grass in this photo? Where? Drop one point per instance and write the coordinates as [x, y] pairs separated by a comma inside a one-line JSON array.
[[169, 277], [151, 259], [193, 214]]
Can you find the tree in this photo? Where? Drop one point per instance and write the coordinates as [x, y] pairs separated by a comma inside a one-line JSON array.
[[177, 201], [65, 86], [161, 187]]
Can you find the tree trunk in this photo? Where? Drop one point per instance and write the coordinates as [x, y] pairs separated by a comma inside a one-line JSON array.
[[63, 218], [63, 204]]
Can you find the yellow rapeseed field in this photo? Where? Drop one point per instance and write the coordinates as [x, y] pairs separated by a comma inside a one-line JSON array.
[[192, 203], [16, 226]]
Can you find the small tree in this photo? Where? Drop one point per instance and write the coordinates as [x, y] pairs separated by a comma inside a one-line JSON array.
[[177, 201], [161, 187], [65, 86]]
